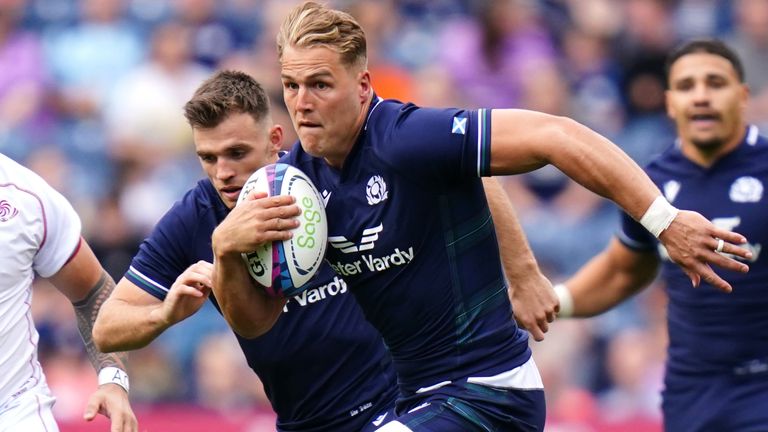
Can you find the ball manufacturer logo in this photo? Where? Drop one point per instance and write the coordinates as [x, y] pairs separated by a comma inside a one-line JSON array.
[[376, 190], [255, 265]]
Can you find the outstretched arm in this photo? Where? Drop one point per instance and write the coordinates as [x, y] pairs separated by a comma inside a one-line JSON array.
[[257, 220], [87, 286], [525, 140], [132, 318], [606, 280], [533, 300]]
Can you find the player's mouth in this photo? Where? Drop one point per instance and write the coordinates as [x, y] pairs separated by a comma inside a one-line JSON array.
[[231, 192], [704, 120], [303, 124]]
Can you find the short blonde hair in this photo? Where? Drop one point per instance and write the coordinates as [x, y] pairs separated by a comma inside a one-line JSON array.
[[313, 24]]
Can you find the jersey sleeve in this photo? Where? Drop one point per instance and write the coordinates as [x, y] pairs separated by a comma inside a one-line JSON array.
[[162, 256], [62, 230], [634, 236], [440, 143]]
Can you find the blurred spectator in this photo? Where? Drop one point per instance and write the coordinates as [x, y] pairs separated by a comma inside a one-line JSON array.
[[636, 377], [213, 33], [225, 382], [88, 58], [750, 40], [23, 81], [501, 56], [150, 139], [112, 238]]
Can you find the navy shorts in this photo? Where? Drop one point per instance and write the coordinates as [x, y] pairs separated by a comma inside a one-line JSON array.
[[716, 403], [466, 407]]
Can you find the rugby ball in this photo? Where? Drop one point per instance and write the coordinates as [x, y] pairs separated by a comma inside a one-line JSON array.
[[285, 267]]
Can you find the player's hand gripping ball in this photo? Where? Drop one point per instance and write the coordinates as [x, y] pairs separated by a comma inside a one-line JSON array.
[[285, 267]]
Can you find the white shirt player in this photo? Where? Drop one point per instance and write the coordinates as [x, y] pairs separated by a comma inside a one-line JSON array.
[[39, 232]]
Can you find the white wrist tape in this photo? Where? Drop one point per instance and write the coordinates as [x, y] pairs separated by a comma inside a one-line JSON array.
[[658, 216], [113, 375], [565, 299]]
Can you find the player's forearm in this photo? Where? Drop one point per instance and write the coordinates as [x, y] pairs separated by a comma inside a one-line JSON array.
[[122, 326], [603, 283], [517, 258], [247, 309], [528, 140], [87, 311]]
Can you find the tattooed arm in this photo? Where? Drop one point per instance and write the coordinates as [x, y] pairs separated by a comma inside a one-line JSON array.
[[85, 283]]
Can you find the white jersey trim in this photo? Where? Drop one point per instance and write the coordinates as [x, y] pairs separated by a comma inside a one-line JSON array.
[[148, 280], [523, 377]]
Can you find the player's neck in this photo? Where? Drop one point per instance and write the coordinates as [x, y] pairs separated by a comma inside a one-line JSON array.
[[708, 156]]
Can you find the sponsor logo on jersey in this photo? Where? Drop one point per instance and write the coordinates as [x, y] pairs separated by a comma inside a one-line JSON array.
[[671, 188], [374, 263], [331, 289], [368, 262], [7, 211], [376, 190], [459, 126], [370, 235], [746, 189]]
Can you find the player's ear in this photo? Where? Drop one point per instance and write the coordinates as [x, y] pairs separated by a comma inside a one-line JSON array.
[[745, 93], [364, 81], [276, 137]]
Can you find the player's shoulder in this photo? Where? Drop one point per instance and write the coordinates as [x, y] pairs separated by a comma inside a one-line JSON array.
[[12, 172], [756, 142]]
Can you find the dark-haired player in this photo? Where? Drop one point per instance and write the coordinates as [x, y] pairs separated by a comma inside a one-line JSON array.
[[717, 367]]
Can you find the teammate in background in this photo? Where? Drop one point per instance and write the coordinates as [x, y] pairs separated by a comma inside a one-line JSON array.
[[717, 366], [323, 366], [413, 175], [40, 233]]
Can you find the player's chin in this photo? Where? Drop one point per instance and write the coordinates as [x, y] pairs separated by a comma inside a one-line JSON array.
[[312, 147], [229, 202]]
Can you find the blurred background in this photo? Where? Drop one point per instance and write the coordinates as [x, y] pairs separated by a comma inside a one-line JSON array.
[[91, 93]]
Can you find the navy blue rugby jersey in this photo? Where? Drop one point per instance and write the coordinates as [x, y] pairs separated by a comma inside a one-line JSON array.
[[410, 230], [323, 366], [711, 331]]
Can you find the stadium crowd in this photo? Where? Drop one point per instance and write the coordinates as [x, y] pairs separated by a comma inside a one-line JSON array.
[[91, 96]]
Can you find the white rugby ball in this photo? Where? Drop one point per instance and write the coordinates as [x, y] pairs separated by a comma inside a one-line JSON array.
[[285, 267]]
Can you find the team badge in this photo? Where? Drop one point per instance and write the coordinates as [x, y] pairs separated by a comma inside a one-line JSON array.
[[671, 188], [7, 211], [376, 190], [746, 189]]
